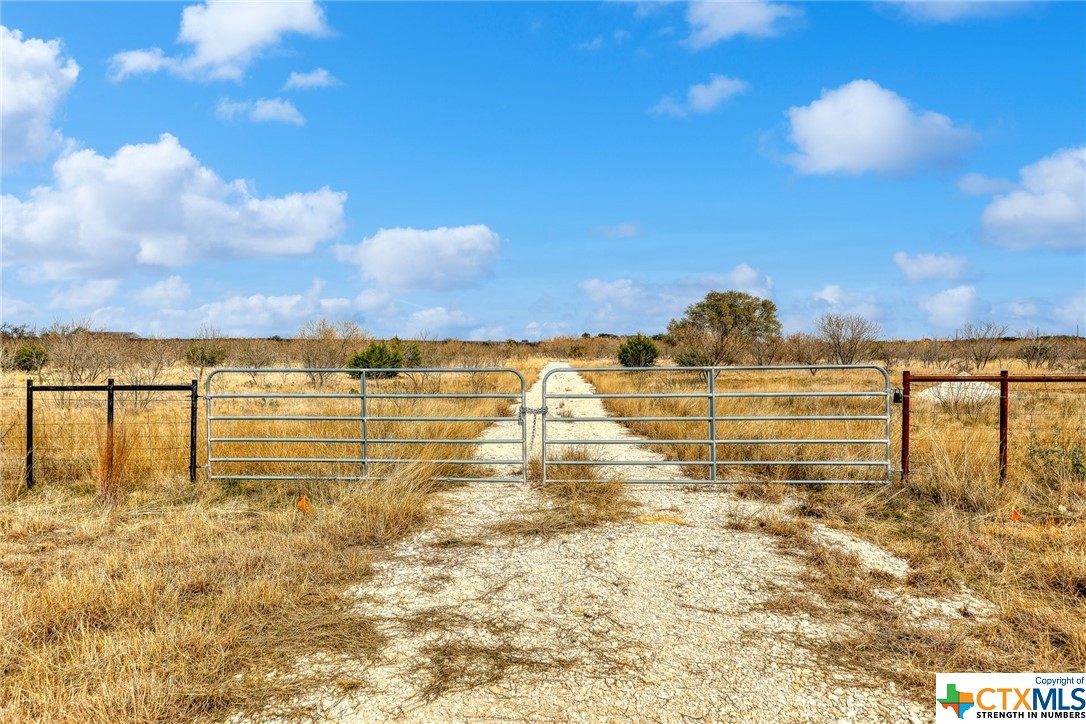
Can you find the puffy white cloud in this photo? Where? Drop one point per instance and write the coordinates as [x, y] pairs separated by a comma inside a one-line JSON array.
[[154, 204], [1022, 308], [711, 22], [624, 230], [595, 44], [434, 259], [930, 267], [862, 127], [977, 184], [373, 300], [951, 11], [1047, 209], [35, 77], [702, 97], [225, 37], [91, 293], [745, 278], [319, 78], [167, 293], [438, 322], [950, 308], [262, 110], [832, 298]]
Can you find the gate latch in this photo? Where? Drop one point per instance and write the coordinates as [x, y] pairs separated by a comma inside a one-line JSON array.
[[898, 396]]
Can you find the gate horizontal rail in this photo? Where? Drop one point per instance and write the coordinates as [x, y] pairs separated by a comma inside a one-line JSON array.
[[232, 454], [715, 444]]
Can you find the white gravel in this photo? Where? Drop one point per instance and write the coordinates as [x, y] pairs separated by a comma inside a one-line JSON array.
[[631, 621]]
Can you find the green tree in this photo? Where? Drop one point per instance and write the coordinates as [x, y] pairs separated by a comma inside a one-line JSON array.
[[29, 357], [638, 351], [715, 330], [378, 356]]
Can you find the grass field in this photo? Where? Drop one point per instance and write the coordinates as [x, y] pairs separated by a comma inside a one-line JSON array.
[[128, 593]]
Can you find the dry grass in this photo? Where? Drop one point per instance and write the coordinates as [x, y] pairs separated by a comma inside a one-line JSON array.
[[181, 603], [577, 498]]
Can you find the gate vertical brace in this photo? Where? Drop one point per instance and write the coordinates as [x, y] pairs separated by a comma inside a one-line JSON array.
[[28, 472], [542, 434], [524, 429], [109, 426], [193, 396], [712, 424], [1004, 410], [906, 386], [365, 431]]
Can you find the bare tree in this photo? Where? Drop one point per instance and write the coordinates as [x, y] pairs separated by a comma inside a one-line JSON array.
[[80, 353], [1037, 351], [850, 338], [978, 343], [327, 345], [803, 348]]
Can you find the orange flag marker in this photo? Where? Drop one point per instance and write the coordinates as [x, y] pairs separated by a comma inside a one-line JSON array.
[[303, 504], [1015, 516]]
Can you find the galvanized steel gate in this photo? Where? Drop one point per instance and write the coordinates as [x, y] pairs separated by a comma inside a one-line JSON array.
[[753, 433], [355, 429]]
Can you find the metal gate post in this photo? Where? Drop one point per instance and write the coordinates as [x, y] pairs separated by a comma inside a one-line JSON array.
[[1004, 410], [194, 395], [365, 431], [109, 426], [28, 472], [906, 383], [542, 434], [712, 424]]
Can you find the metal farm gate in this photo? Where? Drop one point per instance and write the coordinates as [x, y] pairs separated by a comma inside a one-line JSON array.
[[722, 424], [797, 424], [270, 424]]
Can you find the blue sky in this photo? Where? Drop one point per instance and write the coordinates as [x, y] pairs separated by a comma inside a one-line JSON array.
[[524, 170]]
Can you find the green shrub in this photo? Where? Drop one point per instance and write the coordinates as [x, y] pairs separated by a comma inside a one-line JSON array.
[[29, 357], [378, 355], [638, 351], [205, 354]]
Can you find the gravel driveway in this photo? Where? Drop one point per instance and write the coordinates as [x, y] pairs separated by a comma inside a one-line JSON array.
[[657, 620]]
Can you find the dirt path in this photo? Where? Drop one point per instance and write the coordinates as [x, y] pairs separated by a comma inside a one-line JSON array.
[[637, 620]]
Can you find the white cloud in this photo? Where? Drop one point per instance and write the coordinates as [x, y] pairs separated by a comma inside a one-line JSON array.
[[711, 22], [319, 78], [624, 230], [154, 204], [14, 310], [639, 305], [621, 36], [1022, 308], [373, 300], [167, 293], [950, 308], [951, 11], [862, 127], [1073, 311], [702, 97], [930, 267], [977, 184], [595, 44], [91, 293], [438, 323], [832, 298], [262, 110], [536, 331], [34, 77], [1047, 209], [225, 37], [434, 259]]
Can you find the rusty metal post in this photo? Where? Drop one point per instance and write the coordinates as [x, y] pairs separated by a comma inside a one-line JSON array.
[[906, 384], [1004, 409], [28, 472]]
